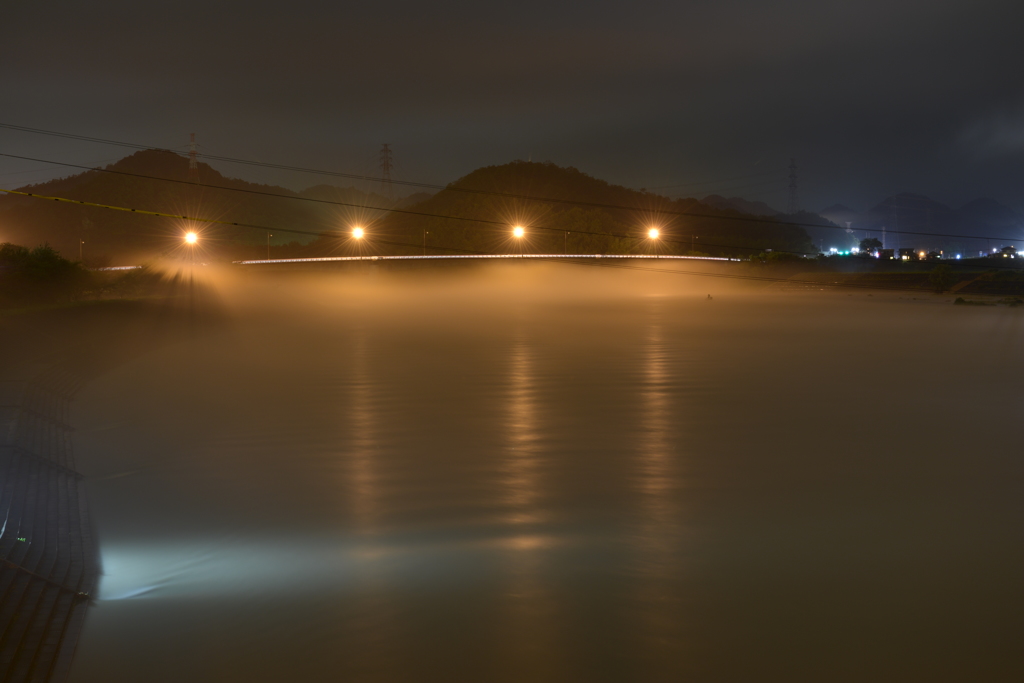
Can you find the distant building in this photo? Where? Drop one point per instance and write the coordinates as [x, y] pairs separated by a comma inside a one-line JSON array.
[[908, 255], [887, 254]]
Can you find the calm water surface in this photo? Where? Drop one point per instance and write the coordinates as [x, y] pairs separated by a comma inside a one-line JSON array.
[[499, 481]]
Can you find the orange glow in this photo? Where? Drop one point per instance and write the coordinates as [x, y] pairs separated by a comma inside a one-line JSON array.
[[358, 233], [191, 237], [518, 231], [653, 233]]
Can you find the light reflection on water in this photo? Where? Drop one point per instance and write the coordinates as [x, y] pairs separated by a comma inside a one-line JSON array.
[[556, 489], [361, 415], [521, 483], [527, 597], [660, 456]]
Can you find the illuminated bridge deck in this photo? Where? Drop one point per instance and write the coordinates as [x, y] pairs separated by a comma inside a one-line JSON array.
[[48, 565], [511, 257]]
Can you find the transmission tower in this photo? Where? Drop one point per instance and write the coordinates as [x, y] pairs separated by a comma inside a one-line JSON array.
[[793, 204], [386, 165], [193, 165]]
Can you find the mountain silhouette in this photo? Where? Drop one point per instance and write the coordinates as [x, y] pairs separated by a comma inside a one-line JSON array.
[[599, 217]]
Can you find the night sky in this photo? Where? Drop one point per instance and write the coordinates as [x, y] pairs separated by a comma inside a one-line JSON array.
[[871, 97]]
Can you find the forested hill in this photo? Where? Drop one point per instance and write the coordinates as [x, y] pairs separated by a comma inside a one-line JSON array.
[[119, 236], [562, 209]]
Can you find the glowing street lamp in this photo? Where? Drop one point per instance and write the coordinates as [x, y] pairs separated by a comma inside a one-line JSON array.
[[358, 233], [191, 238], [518, 231], [653, 233]]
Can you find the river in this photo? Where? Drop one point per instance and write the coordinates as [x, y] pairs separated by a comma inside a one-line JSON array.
[[525, 473]]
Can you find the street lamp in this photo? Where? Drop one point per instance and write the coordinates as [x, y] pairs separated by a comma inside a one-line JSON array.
[[653, 233], [191, 238], [518, 231], [358, 233]]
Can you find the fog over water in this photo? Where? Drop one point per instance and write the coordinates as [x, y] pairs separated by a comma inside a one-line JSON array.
[[553, 473]]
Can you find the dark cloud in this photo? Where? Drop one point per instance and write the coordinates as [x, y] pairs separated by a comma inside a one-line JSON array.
[[871, 97]]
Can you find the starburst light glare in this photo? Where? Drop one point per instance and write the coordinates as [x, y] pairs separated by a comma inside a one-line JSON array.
[[518, 231], [358, 233], [653, 233], [191, 238]]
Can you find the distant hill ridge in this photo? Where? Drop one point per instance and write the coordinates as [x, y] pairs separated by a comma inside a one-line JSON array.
[[591, 227], [124, 236], [585, 226]]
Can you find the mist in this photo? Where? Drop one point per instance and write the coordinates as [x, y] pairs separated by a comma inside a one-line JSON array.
[[543, 471]]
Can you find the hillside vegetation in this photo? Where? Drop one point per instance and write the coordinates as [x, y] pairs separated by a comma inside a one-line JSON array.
[[582, 216], [125, 237], [562, 209]]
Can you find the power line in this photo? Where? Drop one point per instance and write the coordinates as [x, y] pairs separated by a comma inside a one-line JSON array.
[[318, 234], [233, 160], [385, 178], [331, 202], [450, 249], [688, 214], [510, 195]]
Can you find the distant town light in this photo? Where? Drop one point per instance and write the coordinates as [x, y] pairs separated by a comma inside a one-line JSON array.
[[191, 237], [358, 233], [958, 257], [518, 231], [653, 233]]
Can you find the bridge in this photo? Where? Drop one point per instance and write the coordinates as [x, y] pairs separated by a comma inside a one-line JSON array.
[[539, 257]]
